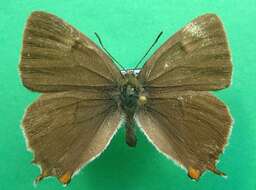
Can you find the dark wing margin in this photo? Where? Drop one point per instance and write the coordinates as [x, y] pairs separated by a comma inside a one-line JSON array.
[[195, 58], [66, 130], [191, 128], [57, 57]]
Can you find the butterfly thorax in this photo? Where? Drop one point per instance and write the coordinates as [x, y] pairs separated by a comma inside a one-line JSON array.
[[129, 92]]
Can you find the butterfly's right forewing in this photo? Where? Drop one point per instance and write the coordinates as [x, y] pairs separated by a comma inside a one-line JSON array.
[[196, 58]]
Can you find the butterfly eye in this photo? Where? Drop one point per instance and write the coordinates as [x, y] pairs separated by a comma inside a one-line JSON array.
[[130, 91]]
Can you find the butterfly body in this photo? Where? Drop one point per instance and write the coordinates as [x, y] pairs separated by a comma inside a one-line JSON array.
[[84, 95], [131, 93]]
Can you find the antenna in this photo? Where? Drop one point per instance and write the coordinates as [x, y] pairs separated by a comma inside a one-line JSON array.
[[99, 39], [157, 38]]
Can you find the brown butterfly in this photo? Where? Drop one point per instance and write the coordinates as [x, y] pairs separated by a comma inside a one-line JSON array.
[[85, 96]]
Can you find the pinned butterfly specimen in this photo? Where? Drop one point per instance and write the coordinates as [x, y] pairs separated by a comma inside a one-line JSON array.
[[85, 96]]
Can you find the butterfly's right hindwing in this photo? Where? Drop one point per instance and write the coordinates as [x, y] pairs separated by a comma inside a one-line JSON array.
[[189, 127]]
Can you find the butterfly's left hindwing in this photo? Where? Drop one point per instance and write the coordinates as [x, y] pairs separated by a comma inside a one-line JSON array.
[[66, 130]]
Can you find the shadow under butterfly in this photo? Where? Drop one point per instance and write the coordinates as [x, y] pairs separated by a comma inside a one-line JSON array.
[[85, 96]]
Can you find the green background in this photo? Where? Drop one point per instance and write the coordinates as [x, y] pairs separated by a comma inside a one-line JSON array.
[[127, 29]]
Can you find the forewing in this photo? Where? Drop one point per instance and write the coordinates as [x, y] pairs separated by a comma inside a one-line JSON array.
[[66, 130], [190, 127], [57, 57], [195, 58]]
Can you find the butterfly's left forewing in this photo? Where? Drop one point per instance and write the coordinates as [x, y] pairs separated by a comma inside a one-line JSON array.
[[57, 57]]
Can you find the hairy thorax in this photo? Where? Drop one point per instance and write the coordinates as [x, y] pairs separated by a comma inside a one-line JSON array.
[[131, 94]]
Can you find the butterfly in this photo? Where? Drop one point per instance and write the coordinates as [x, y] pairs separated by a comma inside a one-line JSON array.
[[85, 96]]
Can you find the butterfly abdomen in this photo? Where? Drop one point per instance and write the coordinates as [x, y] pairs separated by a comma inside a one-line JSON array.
[[130, 137]]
